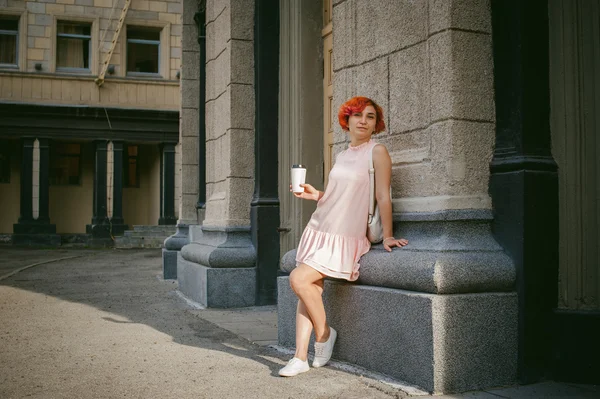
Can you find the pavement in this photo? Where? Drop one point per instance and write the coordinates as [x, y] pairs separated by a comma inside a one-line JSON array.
[[80, 323]]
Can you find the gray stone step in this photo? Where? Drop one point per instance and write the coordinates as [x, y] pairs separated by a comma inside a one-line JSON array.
[[133, 233], [145, 237], [139, 242], [167, 229]]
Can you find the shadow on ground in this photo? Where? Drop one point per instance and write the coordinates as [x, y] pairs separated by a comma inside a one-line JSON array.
[[124, 285]]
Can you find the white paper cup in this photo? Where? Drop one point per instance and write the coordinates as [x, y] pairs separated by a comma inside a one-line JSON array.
[[298, 178]]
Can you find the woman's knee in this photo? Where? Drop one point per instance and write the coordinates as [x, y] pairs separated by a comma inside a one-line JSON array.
[[297, 280]]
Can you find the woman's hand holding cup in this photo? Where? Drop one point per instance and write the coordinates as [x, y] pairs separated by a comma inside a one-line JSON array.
[[309, 193]]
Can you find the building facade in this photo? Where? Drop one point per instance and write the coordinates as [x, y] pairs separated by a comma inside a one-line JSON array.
[[491, 109], [89, 117]]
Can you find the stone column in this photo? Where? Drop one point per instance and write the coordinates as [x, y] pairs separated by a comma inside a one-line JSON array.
[[30, 231], [524, 182], [118, 224], [218, 268], [264, 210], [26, 216], [99, 228], [167, 195], [44, 183], [189, 214]]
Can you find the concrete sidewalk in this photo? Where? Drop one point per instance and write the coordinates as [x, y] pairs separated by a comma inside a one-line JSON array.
[[102, 324]]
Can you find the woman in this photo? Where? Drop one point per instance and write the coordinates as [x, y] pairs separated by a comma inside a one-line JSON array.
[[335, 237]]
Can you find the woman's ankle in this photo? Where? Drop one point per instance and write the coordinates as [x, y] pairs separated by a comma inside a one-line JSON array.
[[302, 357], [325, 336]]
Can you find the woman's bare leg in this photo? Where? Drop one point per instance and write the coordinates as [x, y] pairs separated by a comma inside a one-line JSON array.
[[307, 283], [304, 327]]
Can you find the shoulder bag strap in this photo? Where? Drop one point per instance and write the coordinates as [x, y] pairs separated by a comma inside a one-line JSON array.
[[371, 185]]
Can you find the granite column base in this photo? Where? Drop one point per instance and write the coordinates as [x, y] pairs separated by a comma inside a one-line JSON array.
[[172, 246], [218, 268], [440, 343], [216, 287]]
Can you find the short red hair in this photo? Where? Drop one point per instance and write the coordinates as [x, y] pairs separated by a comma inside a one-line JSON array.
[[358, 104]]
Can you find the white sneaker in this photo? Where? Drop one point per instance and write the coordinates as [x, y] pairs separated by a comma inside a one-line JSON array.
[[294, 367], [323, 350]]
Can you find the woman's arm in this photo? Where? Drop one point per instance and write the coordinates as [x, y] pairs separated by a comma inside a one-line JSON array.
[[309, 193], [383, 176]]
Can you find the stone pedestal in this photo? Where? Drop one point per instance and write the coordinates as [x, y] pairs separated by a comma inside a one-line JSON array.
[[217, 288], [218, 269]]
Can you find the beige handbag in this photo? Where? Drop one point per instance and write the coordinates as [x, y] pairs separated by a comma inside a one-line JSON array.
[[374, 226]]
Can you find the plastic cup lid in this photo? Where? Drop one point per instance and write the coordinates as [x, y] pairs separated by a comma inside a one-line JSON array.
[[298, 166]]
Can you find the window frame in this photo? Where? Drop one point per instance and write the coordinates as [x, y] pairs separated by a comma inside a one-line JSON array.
[[94, 38], [164, 56], [54, 154], [142, 41], [75, 36], [21, 56]]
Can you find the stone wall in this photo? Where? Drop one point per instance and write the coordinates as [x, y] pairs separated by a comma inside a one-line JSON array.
[[37, 46], [429, 65], [229, 112]]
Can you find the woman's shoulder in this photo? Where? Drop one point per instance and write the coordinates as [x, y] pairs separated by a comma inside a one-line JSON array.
[[379, 148], [380, 153]]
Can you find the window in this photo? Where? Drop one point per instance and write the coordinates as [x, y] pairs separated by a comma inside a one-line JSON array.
[[4, 161], [9, 41], [143, 50], [73, 46], [131, 176], [65, 161]]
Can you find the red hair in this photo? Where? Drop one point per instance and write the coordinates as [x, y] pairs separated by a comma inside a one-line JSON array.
[[358, 104]]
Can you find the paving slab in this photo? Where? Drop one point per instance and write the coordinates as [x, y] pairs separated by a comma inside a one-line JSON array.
[[102, 323], [257, 324], [13, 258]]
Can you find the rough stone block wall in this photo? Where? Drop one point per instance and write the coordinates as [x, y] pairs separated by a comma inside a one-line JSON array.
[[229, 112], [429, 65], [40, 21], [187, 164]]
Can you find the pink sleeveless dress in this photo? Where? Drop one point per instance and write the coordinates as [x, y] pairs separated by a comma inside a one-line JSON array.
[[336, 236]]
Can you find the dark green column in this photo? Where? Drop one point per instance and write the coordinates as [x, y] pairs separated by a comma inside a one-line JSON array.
[[524, 178], [44, 204], [264, 208], [117, 213], [117, 223], [26, 215], [100, 227], [39, 231], [167, 187]]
